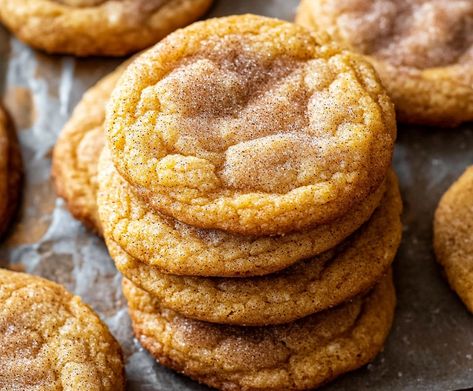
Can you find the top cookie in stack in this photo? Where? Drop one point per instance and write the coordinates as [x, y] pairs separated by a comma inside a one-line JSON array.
[[249, 137], [250, 126]]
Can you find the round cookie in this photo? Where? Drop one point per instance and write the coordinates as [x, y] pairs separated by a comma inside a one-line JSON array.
[[77, 150], [97, 27], [453, 236], [428, 72], [10, 171], [305, 288], [250, 125], [50, 340], [177, 248], [295, 356]]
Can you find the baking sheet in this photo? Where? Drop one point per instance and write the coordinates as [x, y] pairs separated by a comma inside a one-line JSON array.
[[431, 344]]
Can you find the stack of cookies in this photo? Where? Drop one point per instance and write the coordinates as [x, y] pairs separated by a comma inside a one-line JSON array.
[[245, 194]]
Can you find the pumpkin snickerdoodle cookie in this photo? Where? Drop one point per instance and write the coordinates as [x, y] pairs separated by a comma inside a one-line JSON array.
[[50, 340], [295, 356], [77, 150], [453, 236], [10, 171], [97, 27], [251, 125], [173, 247], [428, 72], [307, 287]]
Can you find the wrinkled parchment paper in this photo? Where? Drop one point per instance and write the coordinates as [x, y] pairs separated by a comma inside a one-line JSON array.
[[431, 344]]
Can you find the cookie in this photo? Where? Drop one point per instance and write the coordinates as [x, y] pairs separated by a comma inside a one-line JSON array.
[[97, 27], [250, 125], [177, 248], [50, 340], [307, 287], [453, 236], [428, 72], [295, 356], [77, 150], [10, 171]]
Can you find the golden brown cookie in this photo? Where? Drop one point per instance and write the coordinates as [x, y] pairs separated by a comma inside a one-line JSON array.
[[428, 72], [10, 171], [177, 248], [97, 27], [295, 356], [251, 125], [77, 151], [453, 236], [51, 340], [305, 288]]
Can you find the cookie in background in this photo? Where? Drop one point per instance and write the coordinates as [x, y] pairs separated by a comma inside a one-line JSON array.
[[453, 236], [97, 27], [76, 153], [421, 49], [10, 171], [50, 339]]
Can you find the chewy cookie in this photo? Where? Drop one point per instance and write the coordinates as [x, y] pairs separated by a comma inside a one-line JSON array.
[[453, 236], [97, 27], [295, 356], [305, 288], [50, 340], [77, 150], [250, 125], [428, 72], [10, 171], [170, 246]]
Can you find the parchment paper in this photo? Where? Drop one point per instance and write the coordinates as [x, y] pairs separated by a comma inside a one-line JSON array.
[[431, 344]]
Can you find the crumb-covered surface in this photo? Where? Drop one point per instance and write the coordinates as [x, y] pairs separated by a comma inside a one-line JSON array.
[[453, 236], [296, 356], [178, 248], [429, 347], [50, 340], [427, 70], [250, 125], [97, 27]]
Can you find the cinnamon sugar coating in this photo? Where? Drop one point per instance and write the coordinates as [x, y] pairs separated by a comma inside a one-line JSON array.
[[250, 125], [453, 236], [177, 248], [50, 340], [296, 356], [427, 71], [307, 287], [97, 27]]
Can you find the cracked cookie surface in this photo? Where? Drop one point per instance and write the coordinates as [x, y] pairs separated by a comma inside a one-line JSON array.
[[453, 236], [427, 71], [250, 125], [306, 287], [97, 27], [177, 248], [295, 356], [50, 340], [10, 171]]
